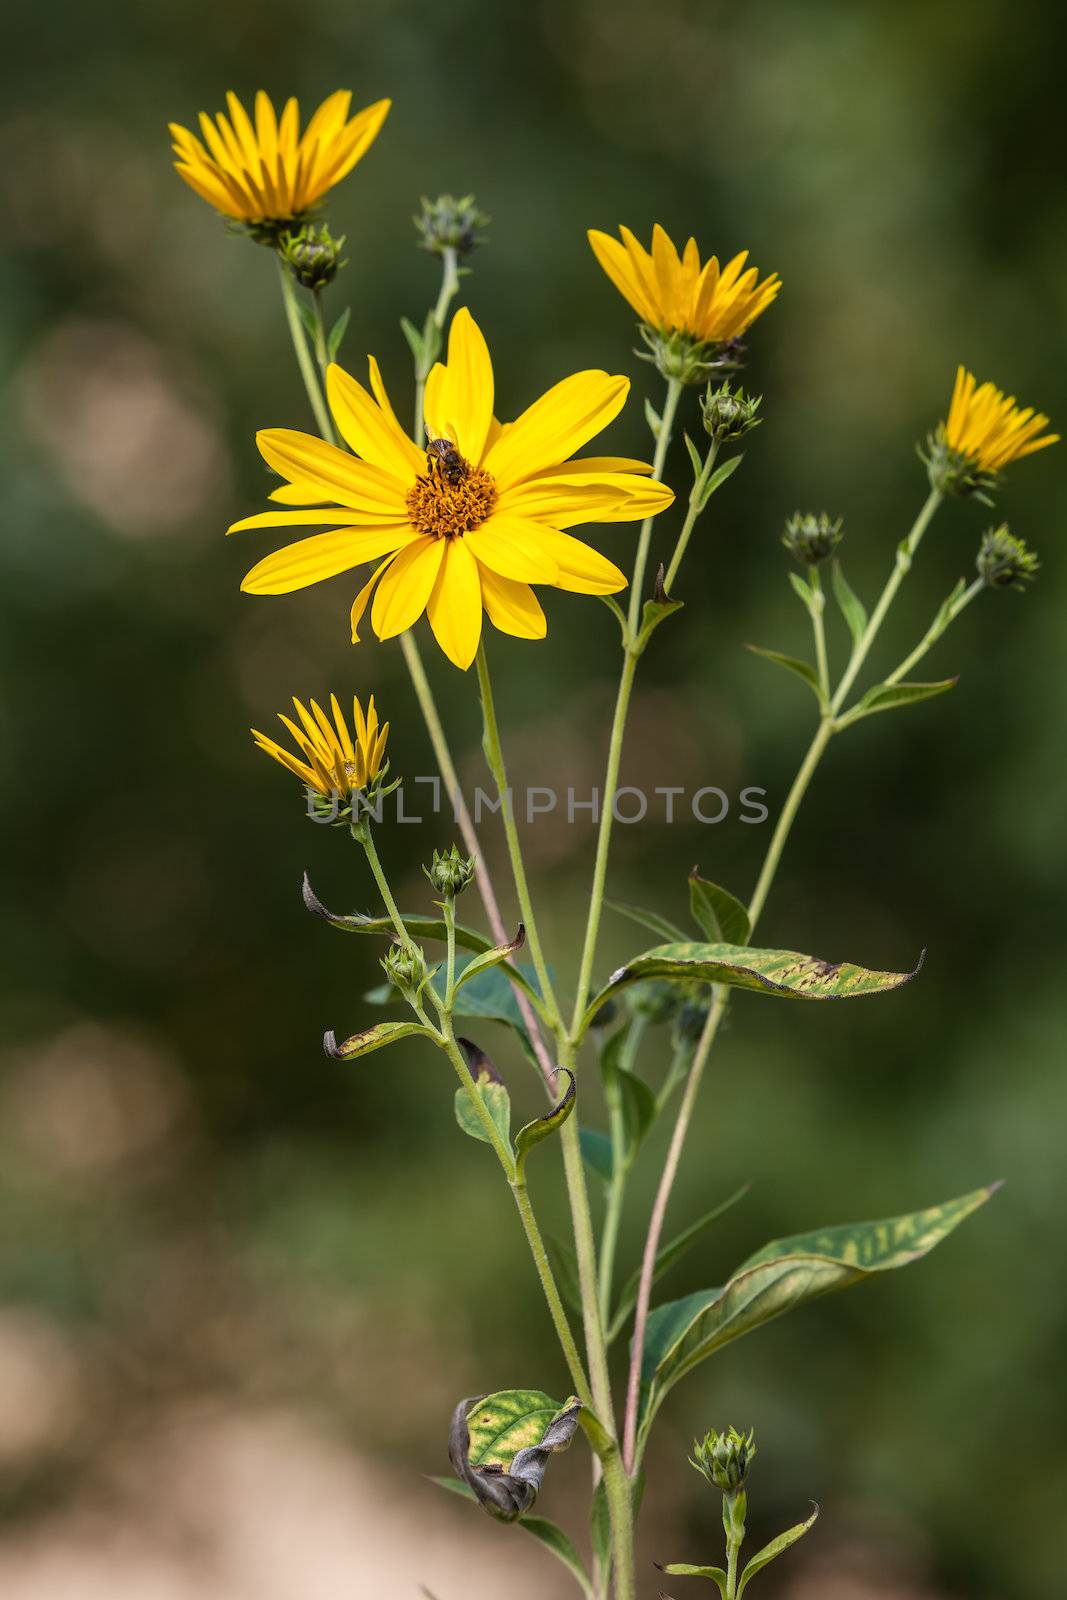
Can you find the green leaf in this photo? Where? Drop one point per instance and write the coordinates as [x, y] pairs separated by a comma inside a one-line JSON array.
[[307, 318], [656, 610], [492, 1092], [654, 420], [792, 664], [806, 594], [887, 696], [667, 1256], [785, 1274], [413, 337], [419, 927], [554, 1539], [506, 1422], [539, 1528], [614, 607], [851, 606], [597, 1152], [337, 333], [361, 1044], [775, 1548], [719, 915], [779, 972], [491, 958], [718, 478], [633, 1097], [647, 919], [696, 460], [543, 1127], [682, 1569]]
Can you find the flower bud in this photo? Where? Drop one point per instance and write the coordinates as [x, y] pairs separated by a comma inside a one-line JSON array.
[[724, 1458], [689, 1021], [686, 359], [811, 536], [450, 873], [312, 256], [450, 224], [1004, 562], [405, 966], [729, 413]]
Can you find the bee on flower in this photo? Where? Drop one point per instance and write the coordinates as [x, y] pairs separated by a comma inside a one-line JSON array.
[[466, 524]]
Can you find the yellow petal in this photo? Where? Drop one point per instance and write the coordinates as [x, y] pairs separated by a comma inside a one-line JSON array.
[[324, 555], [512, 547], [566, 500], [455, 606], [302, 458], [512, 607], [367, 430], [557, 425], [582, 569], [359, 604], [459, 404], [405, 588], [617, 262]]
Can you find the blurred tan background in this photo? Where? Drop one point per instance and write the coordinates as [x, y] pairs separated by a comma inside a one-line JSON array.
[[234, 1316]]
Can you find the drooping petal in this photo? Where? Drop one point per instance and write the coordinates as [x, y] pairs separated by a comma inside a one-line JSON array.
[[566, 500], [359, 604], [557, 425], [512, 607], [404, 590], [455, 606], [324, 555]]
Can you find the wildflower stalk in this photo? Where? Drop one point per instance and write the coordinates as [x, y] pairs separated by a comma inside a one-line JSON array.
[[828, 725], [303, 355], [818, 628], [936, 629], [644, 539], [620, 1172], [697, 502]]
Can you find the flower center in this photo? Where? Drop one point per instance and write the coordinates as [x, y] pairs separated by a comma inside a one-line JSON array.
[[451, 497]]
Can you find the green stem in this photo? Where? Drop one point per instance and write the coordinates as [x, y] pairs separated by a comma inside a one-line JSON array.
[[450, 967], [905, 553], [303, 355], [322, 355], [494, 755], [697, 503], [934, 632], [447, 293], [819, 629], [619, 1493], [620, 1172], [663, 439], [555, 1304], [362, 833], [827, 727]]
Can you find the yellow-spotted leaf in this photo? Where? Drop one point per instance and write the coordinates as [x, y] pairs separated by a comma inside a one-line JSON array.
[[778, 972], [499, 1445], [361, 1044], [784, 1274]]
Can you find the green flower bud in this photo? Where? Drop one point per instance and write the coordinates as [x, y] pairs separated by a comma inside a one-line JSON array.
[[1004, 562], [405, 967], [655, 999], [952, 472], [689, 1021], [810, 536], [451, 873], [729, 413], [450, 224], [680, 356], [724, 1458], [312, 256]]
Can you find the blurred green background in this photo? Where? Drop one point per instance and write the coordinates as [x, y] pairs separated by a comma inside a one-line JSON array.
[[243, 1286]]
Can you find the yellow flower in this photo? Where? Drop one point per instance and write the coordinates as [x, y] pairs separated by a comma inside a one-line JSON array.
[[988, 428], [675, 293], [334, 762], [469, 521], [270, 172]]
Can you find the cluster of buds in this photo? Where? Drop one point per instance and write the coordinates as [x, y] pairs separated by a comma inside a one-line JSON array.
[[1004, 562], [811, 536], [449, 872], [689, 1020], [724, 1458], [450, 224], [952, 472], [312, 255], [655, 999], [681, 357], [729, 413]]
